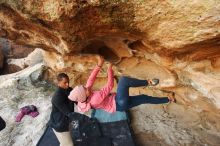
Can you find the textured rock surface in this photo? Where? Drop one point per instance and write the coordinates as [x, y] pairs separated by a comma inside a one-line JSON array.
[[33, 58], [18, 90], [16, 56], [176, 41], [1, 58], [12, 50], [67, 26]]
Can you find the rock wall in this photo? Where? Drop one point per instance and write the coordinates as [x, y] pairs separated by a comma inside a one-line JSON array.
[[15, 56], [18, 90], [175, 41], [166, 27]]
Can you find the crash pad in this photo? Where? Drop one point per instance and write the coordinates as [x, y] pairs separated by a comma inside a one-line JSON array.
[[115, 126], [103, 116], [48, 138], [109, 129], [119, 132]]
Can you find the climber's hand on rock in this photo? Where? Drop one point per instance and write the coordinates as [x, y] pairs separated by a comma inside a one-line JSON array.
[[100, 61], [110, 65]]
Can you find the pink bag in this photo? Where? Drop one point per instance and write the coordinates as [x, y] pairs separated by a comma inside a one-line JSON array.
[[30, 110]]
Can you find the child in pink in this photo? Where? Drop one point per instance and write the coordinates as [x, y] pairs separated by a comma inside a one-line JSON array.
[[108, 101]]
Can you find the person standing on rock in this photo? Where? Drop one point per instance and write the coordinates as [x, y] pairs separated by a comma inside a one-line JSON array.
[[111, 102], [61, 107]]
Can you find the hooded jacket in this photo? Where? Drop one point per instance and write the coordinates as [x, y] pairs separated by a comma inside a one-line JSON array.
[[100, 99]]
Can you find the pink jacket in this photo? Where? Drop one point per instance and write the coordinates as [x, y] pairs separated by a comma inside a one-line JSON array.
[[102, 99]]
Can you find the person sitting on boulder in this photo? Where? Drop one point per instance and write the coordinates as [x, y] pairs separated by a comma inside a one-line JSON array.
[[61, 108], [111, 102]]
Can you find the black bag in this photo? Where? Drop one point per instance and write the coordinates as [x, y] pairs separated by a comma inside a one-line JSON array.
[[82, 127], [2, 124]]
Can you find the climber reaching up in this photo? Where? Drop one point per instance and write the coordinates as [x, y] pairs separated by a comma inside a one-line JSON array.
[[111, 102]]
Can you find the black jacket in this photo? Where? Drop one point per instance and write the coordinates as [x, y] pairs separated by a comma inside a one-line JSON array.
[[61, 107]]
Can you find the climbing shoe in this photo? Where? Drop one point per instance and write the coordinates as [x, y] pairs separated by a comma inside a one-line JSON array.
[[153, 82]]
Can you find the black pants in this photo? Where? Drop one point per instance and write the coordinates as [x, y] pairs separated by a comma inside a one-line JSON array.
[[2, 123]]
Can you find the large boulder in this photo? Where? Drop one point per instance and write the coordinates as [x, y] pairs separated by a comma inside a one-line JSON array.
[[168, 28], [175, 41], [16, 56], [18, 90]]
